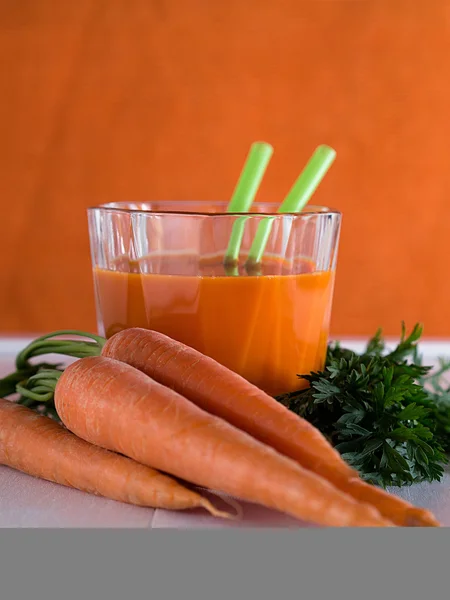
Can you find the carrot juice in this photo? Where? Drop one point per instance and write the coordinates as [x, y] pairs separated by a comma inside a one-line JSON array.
[[267, 327]]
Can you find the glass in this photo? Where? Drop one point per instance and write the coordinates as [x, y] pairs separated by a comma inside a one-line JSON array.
[[159, 265]]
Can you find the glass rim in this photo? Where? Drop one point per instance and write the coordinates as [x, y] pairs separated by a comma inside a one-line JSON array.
[[114, 207]]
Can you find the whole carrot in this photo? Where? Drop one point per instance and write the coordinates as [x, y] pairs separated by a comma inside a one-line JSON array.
[[39, 446], [221, 392], [113, 405]]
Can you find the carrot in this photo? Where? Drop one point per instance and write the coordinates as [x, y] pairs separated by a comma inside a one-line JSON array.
[[39, 446], [113, 405], [221, 392]]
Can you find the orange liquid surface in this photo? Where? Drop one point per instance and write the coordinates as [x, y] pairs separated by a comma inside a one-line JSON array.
[[267, 328]]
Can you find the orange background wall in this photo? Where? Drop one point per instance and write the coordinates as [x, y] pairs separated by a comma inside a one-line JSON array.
[[141, 99]]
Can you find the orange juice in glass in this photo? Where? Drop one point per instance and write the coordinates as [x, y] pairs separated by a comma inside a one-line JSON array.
[[160, 265]]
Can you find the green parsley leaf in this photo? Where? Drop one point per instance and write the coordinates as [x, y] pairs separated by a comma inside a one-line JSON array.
[[385, 412]]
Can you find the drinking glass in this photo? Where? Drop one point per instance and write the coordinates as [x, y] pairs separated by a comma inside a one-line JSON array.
[[160, 265]]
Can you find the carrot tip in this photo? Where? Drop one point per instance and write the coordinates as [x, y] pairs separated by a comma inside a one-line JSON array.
[[215, 512], [418, 517]]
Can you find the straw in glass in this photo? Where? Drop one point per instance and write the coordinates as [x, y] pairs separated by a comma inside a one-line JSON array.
[[296, 200], [244, 193]]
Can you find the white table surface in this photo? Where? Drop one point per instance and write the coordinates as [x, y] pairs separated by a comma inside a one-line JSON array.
[[29, 502]]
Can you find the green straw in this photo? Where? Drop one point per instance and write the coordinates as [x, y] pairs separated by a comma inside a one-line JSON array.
[[296, 200], [244, 193]]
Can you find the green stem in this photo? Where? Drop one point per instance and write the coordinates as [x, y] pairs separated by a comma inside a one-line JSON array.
[[36, 383], [46, 344], [48, 384], [8, 383], [37, 396], [40, 387]]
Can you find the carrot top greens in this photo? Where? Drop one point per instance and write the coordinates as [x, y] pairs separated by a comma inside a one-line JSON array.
[[35, 382], [386, 413]]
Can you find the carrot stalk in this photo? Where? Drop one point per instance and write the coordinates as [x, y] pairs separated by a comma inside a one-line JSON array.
[[40, 447], [223, 393], [113, 405]]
